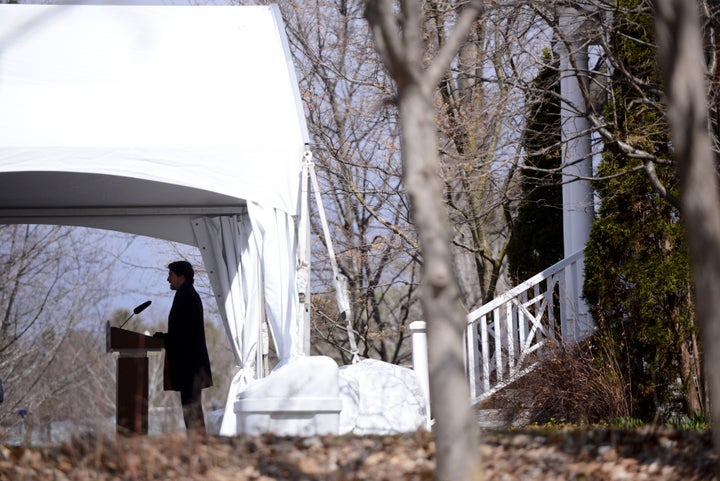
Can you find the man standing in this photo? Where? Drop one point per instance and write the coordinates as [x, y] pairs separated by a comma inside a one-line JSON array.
[[187, 360]]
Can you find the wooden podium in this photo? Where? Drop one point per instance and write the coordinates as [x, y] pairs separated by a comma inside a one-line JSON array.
[[132, 377]]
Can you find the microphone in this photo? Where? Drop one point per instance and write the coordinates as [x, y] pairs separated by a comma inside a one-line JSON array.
[[137, 310]]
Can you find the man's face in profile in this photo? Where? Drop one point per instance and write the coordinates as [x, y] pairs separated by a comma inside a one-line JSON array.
[[175, 280]]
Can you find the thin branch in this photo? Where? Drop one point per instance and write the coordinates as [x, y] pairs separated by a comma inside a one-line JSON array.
[[443, 59]]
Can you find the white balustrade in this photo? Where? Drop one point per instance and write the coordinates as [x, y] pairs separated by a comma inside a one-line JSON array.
[[505, 337]]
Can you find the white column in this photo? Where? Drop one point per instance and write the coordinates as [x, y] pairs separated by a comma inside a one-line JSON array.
[[420, 362], [578, 209], [304, 257]]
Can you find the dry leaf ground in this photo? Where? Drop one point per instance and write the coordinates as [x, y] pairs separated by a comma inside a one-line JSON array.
[[570, 454]]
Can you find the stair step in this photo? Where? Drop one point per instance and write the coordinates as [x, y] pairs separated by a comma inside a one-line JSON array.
[[501, 418]]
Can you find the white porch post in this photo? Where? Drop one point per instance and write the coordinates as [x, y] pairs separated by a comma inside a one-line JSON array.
[[578, 214], [420, 362]]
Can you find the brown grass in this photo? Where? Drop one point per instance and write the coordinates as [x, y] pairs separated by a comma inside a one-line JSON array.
[[573, 384]]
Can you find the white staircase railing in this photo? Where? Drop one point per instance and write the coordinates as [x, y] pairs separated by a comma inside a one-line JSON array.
[[505, 337]]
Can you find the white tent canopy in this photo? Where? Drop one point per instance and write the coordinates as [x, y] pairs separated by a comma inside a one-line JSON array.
[[176, 122], [170, 110]]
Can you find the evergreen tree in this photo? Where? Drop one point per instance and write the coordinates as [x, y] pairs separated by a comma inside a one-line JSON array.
[[536, 240], [637, 281]]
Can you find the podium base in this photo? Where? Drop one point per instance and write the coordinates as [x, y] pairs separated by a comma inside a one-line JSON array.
[[132, 395]]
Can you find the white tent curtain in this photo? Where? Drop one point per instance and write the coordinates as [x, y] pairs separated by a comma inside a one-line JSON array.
[[274, 235], [251, 264], [230, 256]]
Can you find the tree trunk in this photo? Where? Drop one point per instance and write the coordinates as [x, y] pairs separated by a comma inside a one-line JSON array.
[[691, 381], [681, 58], [455, 429], [456, 432]]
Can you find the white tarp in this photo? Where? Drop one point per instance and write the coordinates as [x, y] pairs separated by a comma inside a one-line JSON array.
[[177, 122], [380, 398]]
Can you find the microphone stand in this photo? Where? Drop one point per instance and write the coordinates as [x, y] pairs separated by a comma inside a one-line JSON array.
[[137, 310]]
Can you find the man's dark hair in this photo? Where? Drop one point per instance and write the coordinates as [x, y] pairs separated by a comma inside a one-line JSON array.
[[183, 268]]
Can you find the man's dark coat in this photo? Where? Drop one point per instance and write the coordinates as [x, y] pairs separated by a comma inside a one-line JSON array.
[[186, 353]]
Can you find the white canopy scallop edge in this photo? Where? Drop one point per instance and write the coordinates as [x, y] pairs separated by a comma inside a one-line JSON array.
[[181, 123]]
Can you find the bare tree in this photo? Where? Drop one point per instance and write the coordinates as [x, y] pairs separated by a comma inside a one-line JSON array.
[[480, 113], [681, 57], [399, 40], [353, 129], [352, 115], [52, 277]]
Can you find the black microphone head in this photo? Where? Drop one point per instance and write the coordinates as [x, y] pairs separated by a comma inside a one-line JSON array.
[[141, 307]]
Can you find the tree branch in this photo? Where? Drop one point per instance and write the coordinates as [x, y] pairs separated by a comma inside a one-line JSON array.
[[449, 49]]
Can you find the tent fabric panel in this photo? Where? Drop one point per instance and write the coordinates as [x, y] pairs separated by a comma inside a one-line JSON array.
[[74, 190], [228, 249], [275, 235], [251, 264], [210, 169], [203, 97], [171, 228]]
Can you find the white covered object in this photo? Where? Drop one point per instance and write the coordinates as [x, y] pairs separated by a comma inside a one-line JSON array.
[[380, 398], [299, 398]]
